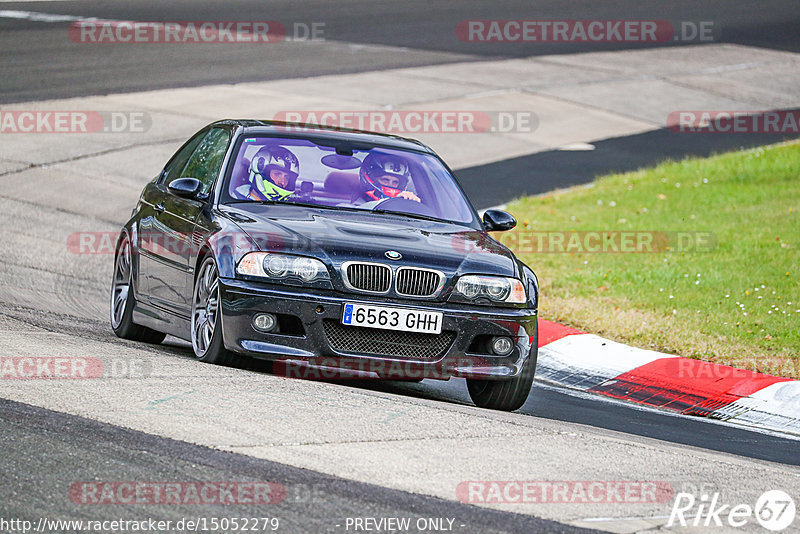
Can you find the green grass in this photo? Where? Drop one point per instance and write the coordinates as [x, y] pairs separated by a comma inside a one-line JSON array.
[[684, 302]]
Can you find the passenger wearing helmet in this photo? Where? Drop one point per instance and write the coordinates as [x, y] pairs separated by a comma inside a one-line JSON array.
[[385, 176], [273, 173]]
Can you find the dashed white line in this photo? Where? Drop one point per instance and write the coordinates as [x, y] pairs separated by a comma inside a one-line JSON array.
[[39, 17]]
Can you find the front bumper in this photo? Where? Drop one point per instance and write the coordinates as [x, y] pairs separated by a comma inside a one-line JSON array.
[[311, 344]]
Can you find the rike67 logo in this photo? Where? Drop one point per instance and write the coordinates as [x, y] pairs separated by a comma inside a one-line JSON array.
[[774, 510]]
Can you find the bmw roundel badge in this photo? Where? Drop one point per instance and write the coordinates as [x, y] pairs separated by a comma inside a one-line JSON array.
[[393, 255]]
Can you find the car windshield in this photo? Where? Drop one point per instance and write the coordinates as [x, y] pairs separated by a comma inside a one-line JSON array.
[[299, 171]]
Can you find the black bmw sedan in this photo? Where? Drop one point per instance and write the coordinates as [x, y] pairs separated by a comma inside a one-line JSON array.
[[318, 247]]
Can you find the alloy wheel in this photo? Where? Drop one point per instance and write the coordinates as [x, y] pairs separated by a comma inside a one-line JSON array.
[[204, 308]]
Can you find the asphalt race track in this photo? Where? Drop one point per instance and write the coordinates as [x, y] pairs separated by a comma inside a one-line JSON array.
[[313, 502], [341, 449], [556, 169], [37, 65]]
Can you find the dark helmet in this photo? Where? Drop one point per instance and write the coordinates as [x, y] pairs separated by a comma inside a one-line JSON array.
[[270, 158], [378, 164]]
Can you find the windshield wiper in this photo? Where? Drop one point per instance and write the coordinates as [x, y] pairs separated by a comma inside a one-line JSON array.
[[303, 204], [252, 200], [413, 215]]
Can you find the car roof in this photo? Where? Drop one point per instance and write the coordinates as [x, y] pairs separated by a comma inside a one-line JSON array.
[[316, 131]]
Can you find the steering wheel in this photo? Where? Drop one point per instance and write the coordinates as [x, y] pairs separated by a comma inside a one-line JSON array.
[[404, 205]]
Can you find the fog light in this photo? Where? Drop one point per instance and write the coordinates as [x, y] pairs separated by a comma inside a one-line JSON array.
[[264, 322], [502, 346]]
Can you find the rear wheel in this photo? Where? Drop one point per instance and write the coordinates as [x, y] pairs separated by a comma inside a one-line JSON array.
[[206, 318], [123, 300], [506, 395]]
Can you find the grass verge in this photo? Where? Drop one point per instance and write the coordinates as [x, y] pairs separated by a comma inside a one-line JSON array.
[[711, 267]]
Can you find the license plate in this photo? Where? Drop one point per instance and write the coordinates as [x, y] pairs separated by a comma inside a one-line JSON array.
[[386, 318]]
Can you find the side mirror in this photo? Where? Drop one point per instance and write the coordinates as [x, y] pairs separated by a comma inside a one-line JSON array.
[[185, 187], [498, 221]]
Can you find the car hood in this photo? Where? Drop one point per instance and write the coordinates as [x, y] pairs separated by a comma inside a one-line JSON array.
[[336, 236]]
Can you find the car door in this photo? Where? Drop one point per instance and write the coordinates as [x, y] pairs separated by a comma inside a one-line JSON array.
[[149, 239], [169, 275]]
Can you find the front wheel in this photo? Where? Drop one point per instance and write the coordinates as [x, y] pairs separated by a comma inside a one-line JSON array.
[[506, 395], [123, 301], [206, 318]]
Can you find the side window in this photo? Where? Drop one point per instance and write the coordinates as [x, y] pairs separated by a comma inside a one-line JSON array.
[[206, 161], [178, 161]]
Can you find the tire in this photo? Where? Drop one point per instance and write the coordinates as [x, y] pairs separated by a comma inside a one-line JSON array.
[[207, 341], [123, 301], [506, 395]]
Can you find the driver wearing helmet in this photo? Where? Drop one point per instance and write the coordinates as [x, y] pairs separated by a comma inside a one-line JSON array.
[[385, 176], [273, 173]]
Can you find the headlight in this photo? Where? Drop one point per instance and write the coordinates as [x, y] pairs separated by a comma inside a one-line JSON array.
[[296, 270], [473, 288]]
